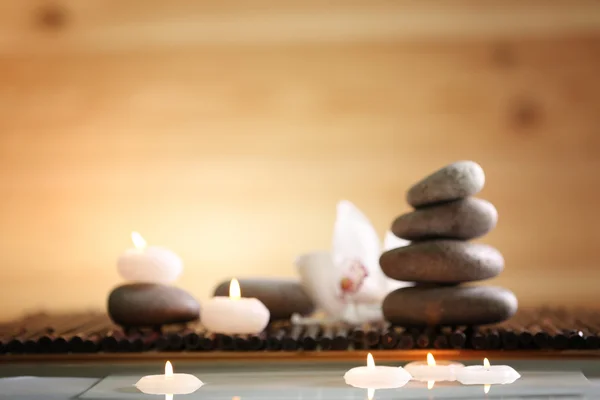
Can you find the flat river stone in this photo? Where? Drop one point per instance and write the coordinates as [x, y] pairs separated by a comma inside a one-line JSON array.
[[455, 181], [283, 297], [151, 304], [449, 305], [459, 219], [442, 261]]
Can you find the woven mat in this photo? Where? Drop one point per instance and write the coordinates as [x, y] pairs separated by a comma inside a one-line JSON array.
[[534, 330]]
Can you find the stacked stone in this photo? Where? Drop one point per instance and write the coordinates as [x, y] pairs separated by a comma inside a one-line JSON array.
[[440, 257]]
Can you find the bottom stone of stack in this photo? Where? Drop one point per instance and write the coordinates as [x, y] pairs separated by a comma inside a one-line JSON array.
[[150, 305], [427, 305]]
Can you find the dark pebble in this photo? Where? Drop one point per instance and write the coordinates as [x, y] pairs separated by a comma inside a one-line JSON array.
[[150, 305], [454, 305], [455, 181], [442, 261], [459, 219]]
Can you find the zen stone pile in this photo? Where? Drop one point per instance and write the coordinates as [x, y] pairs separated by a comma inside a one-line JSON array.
[[440, 257]]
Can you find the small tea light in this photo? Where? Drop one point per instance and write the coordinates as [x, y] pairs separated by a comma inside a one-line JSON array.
[[487, 374], [235, 315], [149, 264], [169, 383], [433, 371], [376, 377]]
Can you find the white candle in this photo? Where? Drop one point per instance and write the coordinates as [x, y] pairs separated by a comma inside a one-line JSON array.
[[169, 383], [432, 370], [487, 374], [235, 314], [149, 264], [376, 377]]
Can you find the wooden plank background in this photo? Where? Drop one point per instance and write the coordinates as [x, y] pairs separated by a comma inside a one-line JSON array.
[[229, 131]]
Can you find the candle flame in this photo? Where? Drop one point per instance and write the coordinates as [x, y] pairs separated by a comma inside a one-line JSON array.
[[430, 385], [430, 360], [370, 393], [234, 290], [138, 240], [486, 363], [236, 398], [168, 397], [486, 388], [168, 369], [370, 361]]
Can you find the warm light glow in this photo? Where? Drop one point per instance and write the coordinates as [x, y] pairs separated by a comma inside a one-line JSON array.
[[486, 363], [370, 393], [430, 384], [168, 369], [138, 241], [168, 397], [486, 388], [234, 290], [370, 361], [236, 398], [430, 360]]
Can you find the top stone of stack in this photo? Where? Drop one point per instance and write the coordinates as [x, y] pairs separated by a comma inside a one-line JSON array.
[[455, 181]]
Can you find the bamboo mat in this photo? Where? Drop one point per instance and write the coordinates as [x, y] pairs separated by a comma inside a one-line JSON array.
[[540, 332]]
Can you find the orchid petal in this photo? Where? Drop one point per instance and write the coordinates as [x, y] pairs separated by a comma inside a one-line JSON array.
[[354, 237], [392, 241]]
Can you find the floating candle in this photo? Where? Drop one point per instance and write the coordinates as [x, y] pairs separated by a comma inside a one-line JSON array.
[[487, 374], [169, 383], [433, 371], [149, 264], [235, 314], [376, 377]]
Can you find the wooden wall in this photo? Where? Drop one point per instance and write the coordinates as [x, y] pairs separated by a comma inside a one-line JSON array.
[[229, 131]]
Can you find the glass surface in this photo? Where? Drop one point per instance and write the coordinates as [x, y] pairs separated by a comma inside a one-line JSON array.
[[305, 381]]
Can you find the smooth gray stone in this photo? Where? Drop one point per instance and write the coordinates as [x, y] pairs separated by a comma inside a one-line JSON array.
[[150, 304], [283, 297], [449, 305], [459, 219], [455, 181], [442, 261]]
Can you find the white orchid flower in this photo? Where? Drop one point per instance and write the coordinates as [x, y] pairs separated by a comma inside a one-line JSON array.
[[347, 282]]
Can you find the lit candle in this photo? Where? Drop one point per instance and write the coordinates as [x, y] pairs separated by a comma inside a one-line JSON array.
[[433, 371], [235, 314], [149, 264], [169, 383], [376, 377], [487, 374]]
